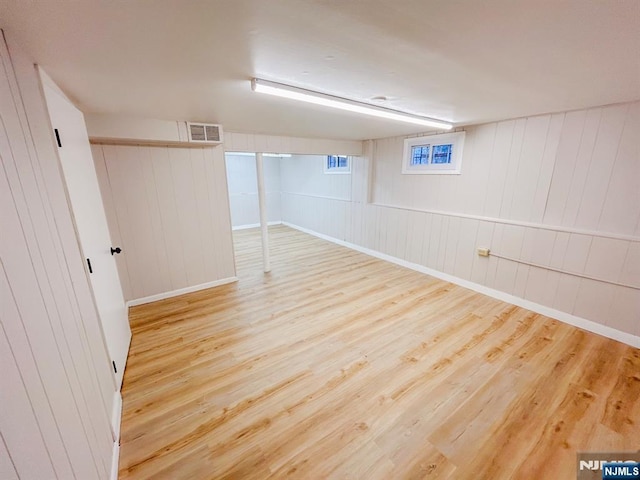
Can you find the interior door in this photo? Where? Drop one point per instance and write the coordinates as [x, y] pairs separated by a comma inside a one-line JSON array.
[[91, 224]]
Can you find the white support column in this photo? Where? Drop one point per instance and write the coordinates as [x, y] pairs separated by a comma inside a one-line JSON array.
[[262, 202]]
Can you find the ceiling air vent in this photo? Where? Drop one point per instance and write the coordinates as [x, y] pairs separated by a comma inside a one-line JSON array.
[[204, 133]]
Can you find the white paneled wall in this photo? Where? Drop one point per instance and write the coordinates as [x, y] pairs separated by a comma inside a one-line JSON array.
[[551, 192], [243, 189], [577, 170], [168, 208], [56, 387], [321, 200], [304, 175], [249, 142]]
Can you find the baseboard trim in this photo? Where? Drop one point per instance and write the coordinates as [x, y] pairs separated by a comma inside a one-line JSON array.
[[180, 291], [115, 461], [116, 418], [254, 225], [116, 415], [564, 317]]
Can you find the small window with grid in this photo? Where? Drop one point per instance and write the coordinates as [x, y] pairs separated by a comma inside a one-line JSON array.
[[337, 164]]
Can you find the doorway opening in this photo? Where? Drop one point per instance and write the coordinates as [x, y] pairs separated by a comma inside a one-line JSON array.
[[242, 181]]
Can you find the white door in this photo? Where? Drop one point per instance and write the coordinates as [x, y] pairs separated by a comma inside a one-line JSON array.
[[91, 224]]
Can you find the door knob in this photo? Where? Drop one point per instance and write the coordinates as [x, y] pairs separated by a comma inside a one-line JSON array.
[[115, 250]]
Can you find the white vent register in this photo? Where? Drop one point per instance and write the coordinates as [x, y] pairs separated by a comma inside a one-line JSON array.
[[204, 133]]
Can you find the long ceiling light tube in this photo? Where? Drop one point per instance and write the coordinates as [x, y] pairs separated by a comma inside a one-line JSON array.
[[308, 96]]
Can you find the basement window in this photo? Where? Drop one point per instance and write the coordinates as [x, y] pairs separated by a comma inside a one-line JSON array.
[[337, 164], [433, 154], [420, 155]]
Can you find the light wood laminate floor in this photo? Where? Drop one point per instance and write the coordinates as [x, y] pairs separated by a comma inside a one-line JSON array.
[[339, 365]]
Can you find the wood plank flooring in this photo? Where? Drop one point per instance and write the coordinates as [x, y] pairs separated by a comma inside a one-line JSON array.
[[339, 365]]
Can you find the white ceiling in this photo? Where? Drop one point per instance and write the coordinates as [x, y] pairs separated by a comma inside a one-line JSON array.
[[463, 61]]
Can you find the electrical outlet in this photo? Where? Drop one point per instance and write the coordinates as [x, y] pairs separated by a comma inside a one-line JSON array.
[[483, 251]]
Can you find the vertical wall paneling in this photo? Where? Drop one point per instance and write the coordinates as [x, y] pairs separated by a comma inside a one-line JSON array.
[[624, 308], [7, 469], [466, 248], [21, 245], [159, 243], [564, 166], [434, 241], [63, 244], [606, 257], [575, 187], [621, 205], [57, 387], [210, 263], [473, 183], [170, 209], [605, 151], [498, 162], [219, 202], [424, 241], [594, 300], [631, 265], [492, 262], [560, 191], [249, 142], [128, 169], [545, 174], [20, 429], [169, 215], [304, 175], [54, 362], [513, 164], [243, 189], [480, 265], [529, 165], [187, 215]]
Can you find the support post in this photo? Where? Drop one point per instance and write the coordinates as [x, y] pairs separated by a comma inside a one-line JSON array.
[[262, 202]]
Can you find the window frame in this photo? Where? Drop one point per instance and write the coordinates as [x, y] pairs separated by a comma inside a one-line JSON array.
[[455, 139], [337, 170]]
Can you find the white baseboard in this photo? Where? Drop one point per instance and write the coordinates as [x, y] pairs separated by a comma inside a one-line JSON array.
[[180, 291], [254, 225], [116, 418], [568, 318], [116, 415], [115, 461]]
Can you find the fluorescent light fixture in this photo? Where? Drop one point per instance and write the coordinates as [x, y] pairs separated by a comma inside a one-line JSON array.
[[300, 94], [249, 154]]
